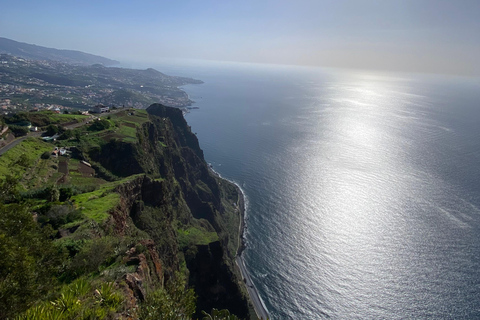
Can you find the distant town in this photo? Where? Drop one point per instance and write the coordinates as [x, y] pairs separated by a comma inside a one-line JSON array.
[[56, 86]]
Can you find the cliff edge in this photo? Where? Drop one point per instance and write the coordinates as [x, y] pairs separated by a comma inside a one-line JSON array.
[[134, 217]]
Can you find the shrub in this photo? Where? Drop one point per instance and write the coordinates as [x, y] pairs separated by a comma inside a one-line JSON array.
[[171, 302], [52, 130], [45, 155], [67, 134], [18, 131], [59, 215], [99, 125]]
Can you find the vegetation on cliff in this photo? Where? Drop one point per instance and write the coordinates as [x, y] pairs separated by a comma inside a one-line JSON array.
[[126, 222]]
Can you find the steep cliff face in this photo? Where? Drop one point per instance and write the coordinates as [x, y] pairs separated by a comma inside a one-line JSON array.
[[136, 227], [179, 204]]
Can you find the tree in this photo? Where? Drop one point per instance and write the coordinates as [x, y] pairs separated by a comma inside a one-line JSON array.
[[52, 130], [67, 134], [18, 131], [99, 125], [29, 263], [8, 189]]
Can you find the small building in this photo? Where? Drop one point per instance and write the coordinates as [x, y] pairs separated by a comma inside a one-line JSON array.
[[100, 109]]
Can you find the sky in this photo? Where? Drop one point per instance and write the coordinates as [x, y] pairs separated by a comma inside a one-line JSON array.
[[436, 36]]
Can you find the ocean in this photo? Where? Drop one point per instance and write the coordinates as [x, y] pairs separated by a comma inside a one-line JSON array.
[[362, 187]]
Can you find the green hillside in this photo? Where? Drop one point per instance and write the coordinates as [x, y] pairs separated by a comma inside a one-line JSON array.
[[119, 218]]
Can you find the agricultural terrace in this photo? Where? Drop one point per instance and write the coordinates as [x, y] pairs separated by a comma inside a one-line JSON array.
[[41, 166]]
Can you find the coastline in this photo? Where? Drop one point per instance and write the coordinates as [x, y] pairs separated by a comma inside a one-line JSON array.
[[258, 305]]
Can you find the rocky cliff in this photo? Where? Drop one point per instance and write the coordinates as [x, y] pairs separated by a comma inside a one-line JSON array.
[[177, 193], [154, 230]]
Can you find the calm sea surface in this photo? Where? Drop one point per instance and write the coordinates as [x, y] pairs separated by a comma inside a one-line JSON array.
[[363, 189]]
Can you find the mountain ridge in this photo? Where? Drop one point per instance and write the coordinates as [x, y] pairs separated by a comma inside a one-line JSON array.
[[36, 52]]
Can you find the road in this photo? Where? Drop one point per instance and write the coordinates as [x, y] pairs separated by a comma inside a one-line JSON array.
[[252, 291], [18, 140], [38, 134]]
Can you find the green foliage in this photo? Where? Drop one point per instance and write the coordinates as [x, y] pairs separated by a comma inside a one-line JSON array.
[[172, 302], [46, 155], [18, 131], [93, 256], [219, 315], [66, 193], [52, 193], [83, 249], [195, 236], [78, 301], [8, 189], [100, 125], [67, 134], [30, 147], [46, 117], [59, 215], [16, 117], [73, 246], [53, 129], [29, 260], [23, 161], [96, 205], [108, 297]]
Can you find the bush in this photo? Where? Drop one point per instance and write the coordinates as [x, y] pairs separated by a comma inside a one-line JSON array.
[[45, 155], [18, 131], [171, 302], [58, 215], [79, 300], [53, 129], [99, 125], [94, 254], [66, 193], [67, 134]]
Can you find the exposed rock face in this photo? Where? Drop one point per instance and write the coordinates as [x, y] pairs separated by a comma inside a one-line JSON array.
[[145, 273]]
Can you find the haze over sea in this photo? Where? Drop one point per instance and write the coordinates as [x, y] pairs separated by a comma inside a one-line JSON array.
[[363, 188]]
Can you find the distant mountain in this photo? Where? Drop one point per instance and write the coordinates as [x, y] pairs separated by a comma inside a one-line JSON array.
[[34, 52]]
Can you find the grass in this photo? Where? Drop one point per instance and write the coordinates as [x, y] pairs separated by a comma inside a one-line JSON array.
[[30, 149], [50, 117], [139, 116], [77, 179], [127, 131], [96, 205], [195, 236]]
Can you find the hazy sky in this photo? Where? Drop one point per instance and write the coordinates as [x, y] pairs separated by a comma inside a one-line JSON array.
[[409, 35]]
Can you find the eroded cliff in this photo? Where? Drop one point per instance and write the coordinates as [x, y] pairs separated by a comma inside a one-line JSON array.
[[160, 226]]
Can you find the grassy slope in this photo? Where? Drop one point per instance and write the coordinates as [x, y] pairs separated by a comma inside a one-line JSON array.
[[31, 148]]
